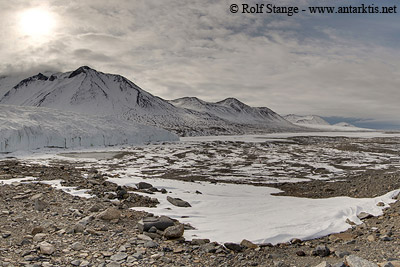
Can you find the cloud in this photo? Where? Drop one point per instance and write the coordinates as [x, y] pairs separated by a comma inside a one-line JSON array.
[[327, 65]]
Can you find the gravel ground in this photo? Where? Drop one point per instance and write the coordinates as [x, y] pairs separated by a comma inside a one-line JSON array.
[[43, 226]]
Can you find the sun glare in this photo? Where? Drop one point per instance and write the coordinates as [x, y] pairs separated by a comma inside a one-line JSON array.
[[36, 22]]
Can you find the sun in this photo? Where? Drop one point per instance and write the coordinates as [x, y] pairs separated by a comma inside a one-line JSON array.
[[37, 22]]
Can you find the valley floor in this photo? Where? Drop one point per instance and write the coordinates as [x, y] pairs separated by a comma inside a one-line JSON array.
[[348, 174]]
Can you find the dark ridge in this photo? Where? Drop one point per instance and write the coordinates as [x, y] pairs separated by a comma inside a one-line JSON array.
[[52, 78], [78, 71], [38, 77]]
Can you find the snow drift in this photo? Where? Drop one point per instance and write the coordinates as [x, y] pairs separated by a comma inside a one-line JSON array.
[[27, 128]]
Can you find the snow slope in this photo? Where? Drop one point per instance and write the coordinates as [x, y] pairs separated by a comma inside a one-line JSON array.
[[308, 119], [88, 91], [27, 128]]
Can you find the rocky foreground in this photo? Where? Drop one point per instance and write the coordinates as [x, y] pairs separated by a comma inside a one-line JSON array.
[[44, 226]]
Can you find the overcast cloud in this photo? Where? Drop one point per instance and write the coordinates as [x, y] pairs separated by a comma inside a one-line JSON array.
[[330, 65]]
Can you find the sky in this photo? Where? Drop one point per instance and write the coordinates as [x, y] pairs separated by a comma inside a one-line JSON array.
[[333, 65]]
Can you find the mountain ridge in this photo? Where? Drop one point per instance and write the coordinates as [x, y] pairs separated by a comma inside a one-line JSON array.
[[86, 90]]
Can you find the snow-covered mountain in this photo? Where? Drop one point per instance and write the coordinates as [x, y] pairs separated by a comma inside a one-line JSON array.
[[317, 123], [27, 128], [307, 119], [88, 91], [233, 111]]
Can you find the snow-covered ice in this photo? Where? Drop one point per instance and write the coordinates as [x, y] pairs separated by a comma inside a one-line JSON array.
[[29, 128], [231, 213]]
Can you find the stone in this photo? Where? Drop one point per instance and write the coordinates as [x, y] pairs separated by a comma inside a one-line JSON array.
[[77, 246], [46, 248], [79, 228], [364, 215], [144, 185], [175, 231], [6, 234], [341, 254], [380, 204], [300, 253], [323, 264], [233, 246], [295, 241], [39, 237], [113, 264], [109, 214], [355, 261], [199, 242], [86, 220], [75, 262], [178, 202], [209, 248], [95, 208], [150, 244], [342, 237], [322, 251], [40, 205], [248, 244], [160, 223], [144, 237], [371, 238], [37, 230], [119, 256]]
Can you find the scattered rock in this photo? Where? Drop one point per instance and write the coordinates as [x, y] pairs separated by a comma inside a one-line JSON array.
[[40, 205], [364, 215], [322, 251], [109, 214], [144, 185], [46, 248], [233, 246], [354, 261], [178, 202], [161, 223], [175, 231], [248, 244], [119, 256], [300, 253]]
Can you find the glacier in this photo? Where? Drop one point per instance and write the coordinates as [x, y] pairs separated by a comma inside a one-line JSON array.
[[28, 128]]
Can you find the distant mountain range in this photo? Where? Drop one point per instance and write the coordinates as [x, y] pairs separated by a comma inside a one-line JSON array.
[[88, 91], [307, 119]]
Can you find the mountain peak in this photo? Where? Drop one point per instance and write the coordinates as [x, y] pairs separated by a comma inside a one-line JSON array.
[[82, 69]]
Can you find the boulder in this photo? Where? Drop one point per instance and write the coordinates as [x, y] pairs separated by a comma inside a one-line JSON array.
[[144, 185], [161, 223], [46, 248], [354, 261], [175, 231], [233, 246], [364, 215], [248, 244], [178, 202], [322, 251], [109, 214]]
